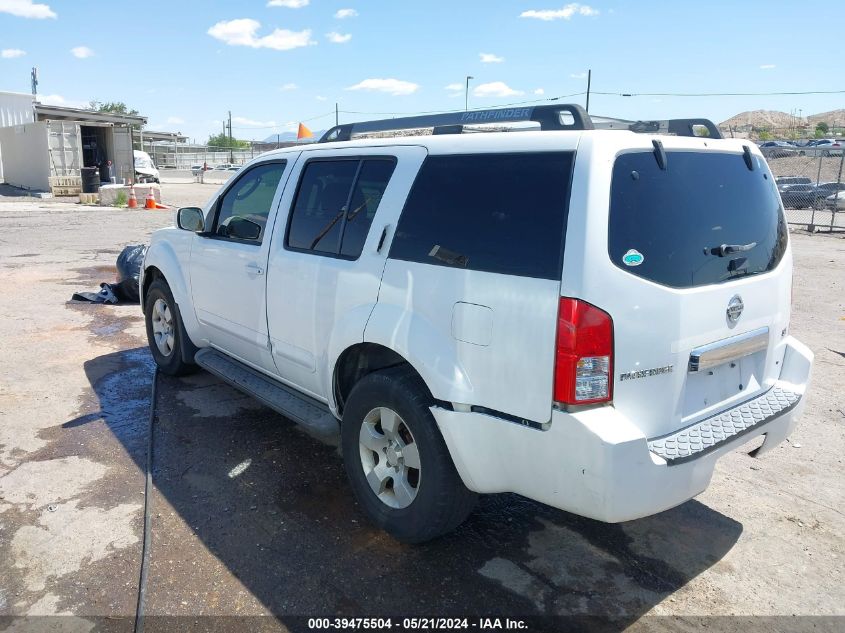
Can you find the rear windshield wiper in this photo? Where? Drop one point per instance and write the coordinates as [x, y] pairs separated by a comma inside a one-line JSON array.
[[727, 249]]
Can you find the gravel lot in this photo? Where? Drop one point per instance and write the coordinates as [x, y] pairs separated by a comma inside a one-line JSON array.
[[284, 536]]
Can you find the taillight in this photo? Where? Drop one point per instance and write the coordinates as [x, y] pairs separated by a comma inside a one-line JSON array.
[[584, 355]]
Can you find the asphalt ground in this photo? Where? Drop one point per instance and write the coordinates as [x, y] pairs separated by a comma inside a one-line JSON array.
[[253, 517]]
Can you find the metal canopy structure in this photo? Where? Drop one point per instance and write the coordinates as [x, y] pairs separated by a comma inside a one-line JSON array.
[[560, 117], [151, 136], [85, 117]]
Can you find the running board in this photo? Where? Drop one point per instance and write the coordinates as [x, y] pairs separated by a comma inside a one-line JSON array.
[[313, 415]]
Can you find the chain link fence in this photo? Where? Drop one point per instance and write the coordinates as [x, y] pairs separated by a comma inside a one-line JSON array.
[[811, 187]]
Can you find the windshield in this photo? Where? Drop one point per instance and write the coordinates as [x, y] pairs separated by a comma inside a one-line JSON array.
[[704, 219], [144, 162]]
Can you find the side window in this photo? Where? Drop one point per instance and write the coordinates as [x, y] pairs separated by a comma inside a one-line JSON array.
[[335, 205], [369, 188], [249, 199], [500, 213]]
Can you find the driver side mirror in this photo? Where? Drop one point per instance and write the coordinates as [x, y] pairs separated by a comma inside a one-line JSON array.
[[190, 219], [243, 229]]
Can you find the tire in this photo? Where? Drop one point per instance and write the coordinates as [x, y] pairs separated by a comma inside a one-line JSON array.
[[416, 504], [165, 334], [818, 204]]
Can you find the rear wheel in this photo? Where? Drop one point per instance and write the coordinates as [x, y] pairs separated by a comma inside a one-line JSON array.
[[165, 333], [396, 460]]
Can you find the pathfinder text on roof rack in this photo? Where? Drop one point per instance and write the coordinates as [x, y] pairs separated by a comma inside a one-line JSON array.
[[561, 117]]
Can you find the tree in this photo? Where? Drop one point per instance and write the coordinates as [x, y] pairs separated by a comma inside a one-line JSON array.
[[222, 140], [115, 107], [765, 135], [822, 129]]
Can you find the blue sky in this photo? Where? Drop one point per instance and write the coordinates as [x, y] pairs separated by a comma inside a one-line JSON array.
[[273, 63]]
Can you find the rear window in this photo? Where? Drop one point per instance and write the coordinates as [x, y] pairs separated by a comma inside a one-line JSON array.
[[705, 219], [501, 213]]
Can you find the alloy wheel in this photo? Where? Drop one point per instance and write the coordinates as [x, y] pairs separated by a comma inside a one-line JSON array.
[[389, 457]]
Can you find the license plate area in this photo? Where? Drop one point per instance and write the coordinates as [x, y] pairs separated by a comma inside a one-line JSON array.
[[722, 372]]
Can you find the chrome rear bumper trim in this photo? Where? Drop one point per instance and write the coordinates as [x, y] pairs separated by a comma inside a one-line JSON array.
[[726, 350]]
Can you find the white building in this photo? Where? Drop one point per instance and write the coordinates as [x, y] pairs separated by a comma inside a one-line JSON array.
[[38, 142]]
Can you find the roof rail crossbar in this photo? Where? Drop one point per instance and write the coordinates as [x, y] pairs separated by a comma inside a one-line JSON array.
[[550, 117], [676, 127]]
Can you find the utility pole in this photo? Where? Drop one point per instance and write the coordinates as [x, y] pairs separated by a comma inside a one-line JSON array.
[[34, 78], [589, 79], [336, 113], [231, 141], [466, 93]]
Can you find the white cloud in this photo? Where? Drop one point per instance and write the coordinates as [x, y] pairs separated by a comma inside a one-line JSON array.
[[243, 122], [59, 100], [455, 87], [290, 4], [175, 120], [767, 66], [578, 76], [27, 9], [242, 32], [394, 87], [321, 98], [338, 38], [496, 89], [566, 13], [539, 91], [288, 87], [11, 53], [342, 14], [82, 52], [490, 58]]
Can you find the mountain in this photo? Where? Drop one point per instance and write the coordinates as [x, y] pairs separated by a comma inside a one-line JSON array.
[[761, 119], [834, 118]]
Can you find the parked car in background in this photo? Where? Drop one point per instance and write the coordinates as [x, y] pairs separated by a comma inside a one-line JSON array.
[[784, 182], [224, 166], [802, 197], [836, 201], [777, 149], [145, 169], [823, 147], [828, 189]]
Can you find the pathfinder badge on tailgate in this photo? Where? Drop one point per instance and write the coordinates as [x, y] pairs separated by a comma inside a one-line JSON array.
[[644, 373]]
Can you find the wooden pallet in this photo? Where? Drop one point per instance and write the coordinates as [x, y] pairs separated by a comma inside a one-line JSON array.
[[66, 185]]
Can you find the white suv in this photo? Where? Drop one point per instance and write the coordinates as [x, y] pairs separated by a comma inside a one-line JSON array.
[[587, 317]]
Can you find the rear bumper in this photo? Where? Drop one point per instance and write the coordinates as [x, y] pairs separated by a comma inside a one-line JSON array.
[[597, 463]]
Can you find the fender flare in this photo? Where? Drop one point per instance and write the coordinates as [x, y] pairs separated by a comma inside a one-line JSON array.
[[162, 256], [433, 354]]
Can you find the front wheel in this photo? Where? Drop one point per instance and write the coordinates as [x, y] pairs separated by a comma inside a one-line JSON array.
[[397, 462], [165, 334]]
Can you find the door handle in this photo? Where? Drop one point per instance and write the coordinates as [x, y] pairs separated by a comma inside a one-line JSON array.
[[254, 269]]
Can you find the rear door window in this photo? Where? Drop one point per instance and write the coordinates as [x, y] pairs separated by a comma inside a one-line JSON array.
[[705, 219], [501, 213], [336, 203]]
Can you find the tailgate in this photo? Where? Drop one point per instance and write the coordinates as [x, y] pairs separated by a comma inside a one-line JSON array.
[[696, 275]]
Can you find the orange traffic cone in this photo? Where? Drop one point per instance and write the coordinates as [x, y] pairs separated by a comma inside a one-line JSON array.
[[150, 202], [133, 200]]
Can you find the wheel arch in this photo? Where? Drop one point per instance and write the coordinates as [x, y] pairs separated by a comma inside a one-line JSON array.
[[360, 360], [162, 261]]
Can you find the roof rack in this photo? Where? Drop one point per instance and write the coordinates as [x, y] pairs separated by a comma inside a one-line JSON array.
[[567, 116]]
